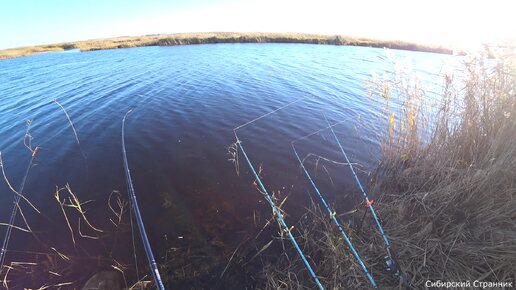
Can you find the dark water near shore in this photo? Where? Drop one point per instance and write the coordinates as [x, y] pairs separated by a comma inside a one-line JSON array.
[[186, 100]]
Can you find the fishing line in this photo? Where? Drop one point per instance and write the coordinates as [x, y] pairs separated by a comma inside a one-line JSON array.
[[70, 121], [318, 131], [333, 217], [267, 114], [76, 137], [141, 227]]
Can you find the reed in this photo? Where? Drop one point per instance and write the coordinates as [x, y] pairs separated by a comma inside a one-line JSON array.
[[444, 189], [448, 181]]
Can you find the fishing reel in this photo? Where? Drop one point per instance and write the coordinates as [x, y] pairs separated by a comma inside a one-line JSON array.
[[392, 268]]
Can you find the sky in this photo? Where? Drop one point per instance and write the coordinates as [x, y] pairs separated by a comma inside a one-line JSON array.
[[452, 22]]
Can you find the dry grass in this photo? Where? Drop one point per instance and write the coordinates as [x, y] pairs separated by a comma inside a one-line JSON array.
[[52, 262], [445, 190], [335, 265], [30, 50], [449, 195], [55, 264], [216, 37]]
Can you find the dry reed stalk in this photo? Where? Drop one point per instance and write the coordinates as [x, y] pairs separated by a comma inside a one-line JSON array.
[[446, 190]]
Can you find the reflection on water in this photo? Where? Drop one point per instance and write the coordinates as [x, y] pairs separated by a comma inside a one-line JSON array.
[[186, 100]]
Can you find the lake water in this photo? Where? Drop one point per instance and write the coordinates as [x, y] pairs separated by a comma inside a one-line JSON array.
[[186, 100]]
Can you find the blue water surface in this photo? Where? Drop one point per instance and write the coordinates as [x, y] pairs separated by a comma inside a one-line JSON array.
[[186, 100]]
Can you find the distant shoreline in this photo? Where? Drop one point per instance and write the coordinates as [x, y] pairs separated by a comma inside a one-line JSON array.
[[218, 37]]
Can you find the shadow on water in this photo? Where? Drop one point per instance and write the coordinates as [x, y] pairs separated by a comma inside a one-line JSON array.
[[201, 217]]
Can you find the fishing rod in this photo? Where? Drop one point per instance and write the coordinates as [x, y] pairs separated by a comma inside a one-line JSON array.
[[19, 193], [141, 227], [16, 203], [391, 262], [364, 194], [276, 210], [333, 217], [278, 214]]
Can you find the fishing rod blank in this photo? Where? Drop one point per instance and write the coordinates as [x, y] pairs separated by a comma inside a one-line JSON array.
[[16, 203], [277, 212], [141, 227], [267, 196], [366, 198], [391, 261]]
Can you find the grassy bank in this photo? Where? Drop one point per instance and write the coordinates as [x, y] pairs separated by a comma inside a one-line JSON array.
[[206, 38], [448, 177], [444, 190]]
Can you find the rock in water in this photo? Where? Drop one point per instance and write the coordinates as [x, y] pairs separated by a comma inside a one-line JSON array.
[[105, 280]]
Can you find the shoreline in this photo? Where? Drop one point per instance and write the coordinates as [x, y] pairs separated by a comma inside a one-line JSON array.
[[218, 37]]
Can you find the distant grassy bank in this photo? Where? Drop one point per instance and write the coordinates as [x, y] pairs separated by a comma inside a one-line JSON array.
[[221, 37]]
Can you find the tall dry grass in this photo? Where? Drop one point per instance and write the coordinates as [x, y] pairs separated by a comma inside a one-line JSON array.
[[445, 190], [448, 178]]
